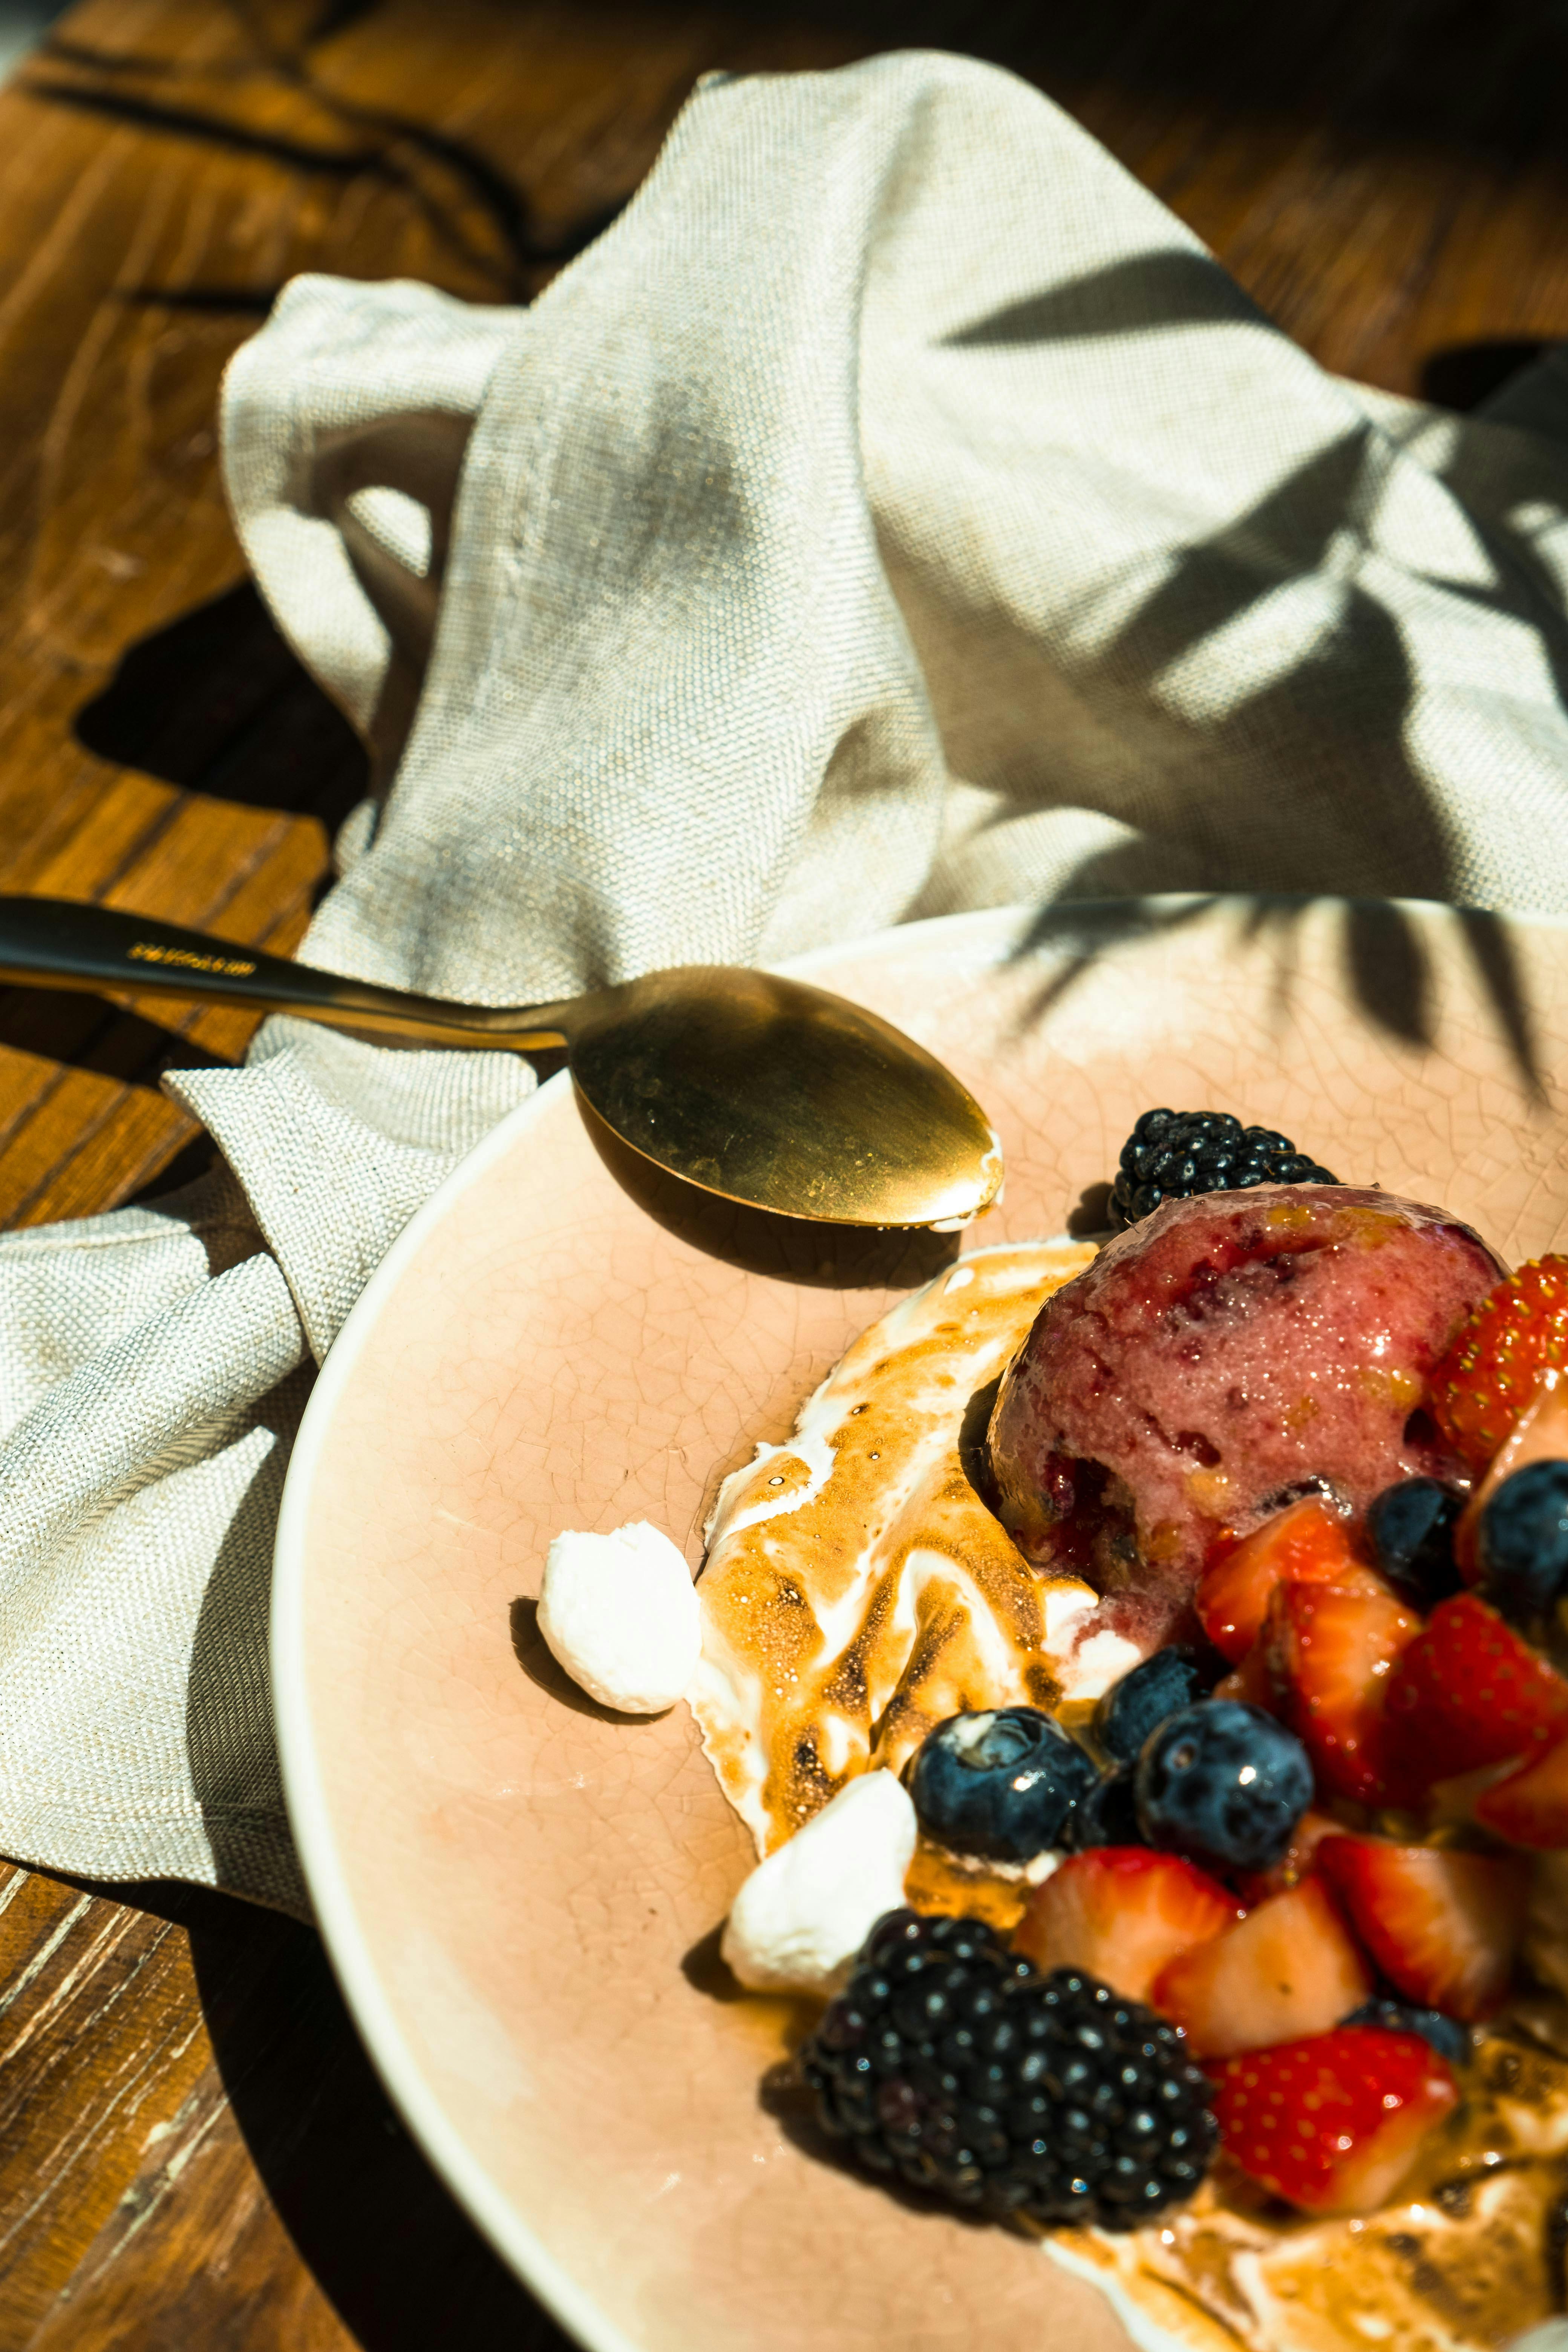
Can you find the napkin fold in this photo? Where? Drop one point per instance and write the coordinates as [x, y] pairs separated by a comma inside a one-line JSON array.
[[895, 511]]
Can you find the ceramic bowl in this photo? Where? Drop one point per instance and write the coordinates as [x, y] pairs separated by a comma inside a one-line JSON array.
[[521, 1894]]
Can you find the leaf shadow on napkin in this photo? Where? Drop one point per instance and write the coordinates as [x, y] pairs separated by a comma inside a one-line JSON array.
[[1342, 711]]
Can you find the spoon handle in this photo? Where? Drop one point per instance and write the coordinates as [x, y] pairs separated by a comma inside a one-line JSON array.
[[61, 943]]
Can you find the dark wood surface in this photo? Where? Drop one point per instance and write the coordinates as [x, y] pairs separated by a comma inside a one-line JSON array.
[[195, 2152]]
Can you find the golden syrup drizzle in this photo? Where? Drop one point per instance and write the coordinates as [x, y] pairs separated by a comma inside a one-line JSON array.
[[857, 1590]]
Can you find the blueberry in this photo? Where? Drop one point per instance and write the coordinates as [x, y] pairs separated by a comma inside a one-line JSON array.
[[1003, 1783], [1447, 2036], [1109, 1814], [1411, 1527], [1225, 1784], [1522, 1541], [1141, 1701]]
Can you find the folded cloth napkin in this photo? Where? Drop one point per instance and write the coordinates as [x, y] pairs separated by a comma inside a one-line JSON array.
[[896, 511]]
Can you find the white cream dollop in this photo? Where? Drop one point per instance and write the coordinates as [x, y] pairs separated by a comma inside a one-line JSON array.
[[802, 1914], [620, 1613]]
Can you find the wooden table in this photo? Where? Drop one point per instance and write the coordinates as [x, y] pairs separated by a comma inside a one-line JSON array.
[[195, 2152]]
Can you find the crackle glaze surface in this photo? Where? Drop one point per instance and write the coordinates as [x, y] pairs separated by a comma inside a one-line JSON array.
[[521, 1894]]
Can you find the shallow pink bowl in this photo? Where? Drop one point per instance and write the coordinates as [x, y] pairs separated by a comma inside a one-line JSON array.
[[520, 1892]]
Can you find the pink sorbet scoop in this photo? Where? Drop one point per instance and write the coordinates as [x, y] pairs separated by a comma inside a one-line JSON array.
[[1224, 1355]]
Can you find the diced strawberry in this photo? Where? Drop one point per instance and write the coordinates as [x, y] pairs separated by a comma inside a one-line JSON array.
[[1450, 1805], [1442, 1925], [1308, 1544], [1331, 1653], [1530, 1808], [1288, 1969], [1121, 1913], [1539, 1434], [1294, 1863], [1469, 1691], [1334, 2123], [1250, 1682], [1484, 1381]]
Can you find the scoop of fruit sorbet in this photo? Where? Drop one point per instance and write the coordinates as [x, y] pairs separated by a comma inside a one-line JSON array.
[[1226, 1354]]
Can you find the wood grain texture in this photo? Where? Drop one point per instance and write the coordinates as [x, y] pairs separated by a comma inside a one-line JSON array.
[[194, 2151]]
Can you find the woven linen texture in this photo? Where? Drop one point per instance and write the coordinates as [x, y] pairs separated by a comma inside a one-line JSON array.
[[896, 511]]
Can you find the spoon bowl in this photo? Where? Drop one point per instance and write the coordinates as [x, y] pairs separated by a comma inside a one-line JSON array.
[[761, 1091]]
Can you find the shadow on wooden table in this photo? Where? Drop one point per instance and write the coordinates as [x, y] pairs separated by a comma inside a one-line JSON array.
[[217, 702], [387, 2244], [1449, 72]]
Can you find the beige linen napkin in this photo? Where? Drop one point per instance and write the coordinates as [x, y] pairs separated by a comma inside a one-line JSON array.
[[896, 511]]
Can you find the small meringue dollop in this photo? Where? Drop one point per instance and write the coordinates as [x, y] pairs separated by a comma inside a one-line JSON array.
[[619, 1613], [804, 1914]]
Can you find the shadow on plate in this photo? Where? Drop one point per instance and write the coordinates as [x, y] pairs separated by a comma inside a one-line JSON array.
[[705, 1971], [1385, 956], [545, 1670], [1088, 1219]]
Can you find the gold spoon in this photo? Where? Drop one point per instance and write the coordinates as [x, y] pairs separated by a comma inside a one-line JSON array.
[[759, 1089]]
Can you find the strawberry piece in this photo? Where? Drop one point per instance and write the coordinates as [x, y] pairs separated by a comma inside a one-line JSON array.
[[1331, 1653], [1485, 1380], [1251, 1682], [1289, 1969], [1121, 1913], [1539, 1434], [1443, 1925], [1530, 1808], [1469, 1691], [1308, 1544], [1334, 2123], [1294, 1863]]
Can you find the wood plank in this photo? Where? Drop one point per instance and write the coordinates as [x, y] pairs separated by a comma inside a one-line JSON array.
[[183, 2099], [93, 2000], [100, 1130]]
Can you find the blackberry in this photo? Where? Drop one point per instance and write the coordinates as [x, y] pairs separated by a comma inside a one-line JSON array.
[[948, 2061], [1172, 1154]]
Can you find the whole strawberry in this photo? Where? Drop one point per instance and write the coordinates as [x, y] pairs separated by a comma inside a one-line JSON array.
[[1333, 2123], [1487, 1376]]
